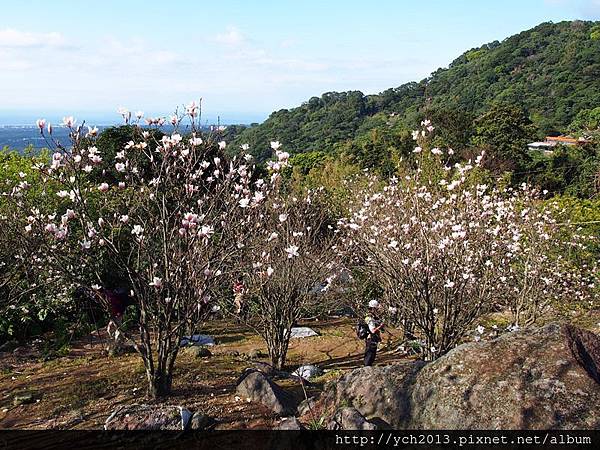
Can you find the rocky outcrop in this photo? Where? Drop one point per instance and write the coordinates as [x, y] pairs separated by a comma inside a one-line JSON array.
[[257, 387], [533, 379], [544, 378]]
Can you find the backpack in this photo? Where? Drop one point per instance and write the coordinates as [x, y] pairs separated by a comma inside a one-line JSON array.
[[362, 330]]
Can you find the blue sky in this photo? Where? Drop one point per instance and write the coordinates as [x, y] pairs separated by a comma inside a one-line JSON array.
[[244, 58]]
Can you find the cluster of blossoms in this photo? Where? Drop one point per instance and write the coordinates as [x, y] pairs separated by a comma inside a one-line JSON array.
[[447, 247], [281, 160], [170, 211]]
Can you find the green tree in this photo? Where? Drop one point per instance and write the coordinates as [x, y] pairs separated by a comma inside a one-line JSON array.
[[504, 131]]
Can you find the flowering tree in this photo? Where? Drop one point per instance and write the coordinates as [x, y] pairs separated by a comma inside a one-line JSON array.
[[446, 247], [171, 222], [289, 259], [30, 291]]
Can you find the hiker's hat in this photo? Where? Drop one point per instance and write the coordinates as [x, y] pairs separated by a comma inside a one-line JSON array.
[[373, 304]]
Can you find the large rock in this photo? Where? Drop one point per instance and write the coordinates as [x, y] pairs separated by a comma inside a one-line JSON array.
[[200, 421], [258, 388], [147, 417], [302, 332], [381, 393], [539, 378], [265, 368], [197, 352], [307, 406], [349, 419], [532, 379]]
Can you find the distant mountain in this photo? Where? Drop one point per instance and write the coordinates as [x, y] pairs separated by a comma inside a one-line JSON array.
[[552, 71]]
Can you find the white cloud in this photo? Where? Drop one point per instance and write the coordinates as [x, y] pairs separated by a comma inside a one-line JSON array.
[[11, 38], [231, 36]]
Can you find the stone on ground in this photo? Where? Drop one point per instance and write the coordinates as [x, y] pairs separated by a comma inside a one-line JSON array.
[[200, 421], [349, 418], [255, 353], [197, 352], [257, 387], [307, 405], [148, 417], [23, 398]]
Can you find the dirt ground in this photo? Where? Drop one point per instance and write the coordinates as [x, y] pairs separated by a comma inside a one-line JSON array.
[[80, 390]]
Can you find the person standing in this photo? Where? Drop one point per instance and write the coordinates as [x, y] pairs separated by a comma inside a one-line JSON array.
[[375, 325], [118, 300], [238, 296]]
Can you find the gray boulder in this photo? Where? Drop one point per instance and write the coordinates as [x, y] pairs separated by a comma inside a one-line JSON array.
[[259, 388], [200, 421], [379, 392], [307, 405], [23, 398], [265, 368], [537, 378], [545, 378], [148, 417], [349, 419], [197, 352], [255, 353]]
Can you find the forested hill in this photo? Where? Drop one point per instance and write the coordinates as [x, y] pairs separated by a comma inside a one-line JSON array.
[[551, 71]]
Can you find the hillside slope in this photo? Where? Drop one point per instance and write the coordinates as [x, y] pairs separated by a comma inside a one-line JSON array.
[[552, 71]]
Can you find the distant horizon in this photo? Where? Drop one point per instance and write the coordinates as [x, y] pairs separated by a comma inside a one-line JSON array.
[[245, 60], [105, 118]]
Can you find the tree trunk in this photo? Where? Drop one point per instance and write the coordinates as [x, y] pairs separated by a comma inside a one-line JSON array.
[[278, 346], [160, 383]]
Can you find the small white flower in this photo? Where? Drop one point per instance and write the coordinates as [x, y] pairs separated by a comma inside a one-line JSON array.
[[156, 282], [292, 251]]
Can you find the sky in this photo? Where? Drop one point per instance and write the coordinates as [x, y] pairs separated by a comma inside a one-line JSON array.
[[244, 58]]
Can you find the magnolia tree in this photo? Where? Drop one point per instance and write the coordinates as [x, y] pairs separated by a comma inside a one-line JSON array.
[[171, 221], [446, 247], [288, 261], [30, 291]]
